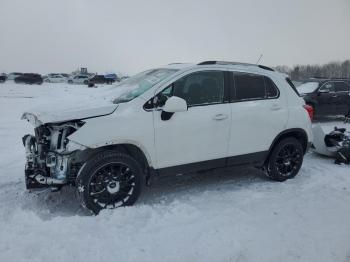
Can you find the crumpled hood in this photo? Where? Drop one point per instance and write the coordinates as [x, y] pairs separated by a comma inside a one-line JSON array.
[[37, 118]]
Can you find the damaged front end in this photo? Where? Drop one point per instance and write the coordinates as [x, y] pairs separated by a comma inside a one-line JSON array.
[[52, 160]]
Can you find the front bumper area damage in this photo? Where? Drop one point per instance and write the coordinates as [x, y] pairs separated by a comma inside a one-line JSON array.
[[51, 157]]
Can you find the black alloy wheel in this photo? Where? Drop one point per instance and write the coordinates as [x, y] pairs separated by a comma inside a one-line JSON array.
[[285, 160], [110, 180]]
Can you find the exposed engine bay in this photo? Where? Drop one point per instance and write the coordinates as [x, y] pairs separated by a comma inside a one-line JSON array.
[[51, 159]]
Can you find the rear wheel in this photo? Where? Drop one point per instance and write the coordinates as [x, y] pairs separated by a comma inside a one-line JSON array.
[[110, 180], [285, 160]]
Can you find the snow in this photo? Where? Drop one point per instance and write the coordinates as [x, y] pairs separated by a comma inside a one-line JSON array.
[[231, 215], [307, 88]]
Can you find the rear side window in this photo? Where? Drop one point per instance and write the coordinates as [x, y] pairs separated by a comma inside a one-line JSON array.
[[253, 87], [341, 87], [249, 86]]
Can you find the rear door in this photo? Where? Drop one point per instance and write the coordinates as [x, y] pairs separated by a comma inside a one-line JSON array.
[[342, 92], [259, 113]]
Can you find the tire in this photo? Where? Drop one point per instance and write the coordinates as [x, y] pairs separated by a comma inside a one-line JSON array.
[[70, 81], [86, 82], [285, 159], [109, 180]]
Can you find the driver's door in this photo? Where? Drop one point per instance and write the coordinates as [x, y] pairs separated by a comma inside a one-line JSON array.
[[199, 134], [327, 99]]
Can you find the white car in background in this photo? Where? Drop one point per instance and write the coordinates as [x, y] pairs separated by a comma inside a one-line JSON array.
[[79, 79], [55, 78]]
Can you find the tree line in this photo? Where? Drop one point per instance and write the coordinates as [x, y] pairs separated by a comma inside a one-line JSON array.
[[329, 70]]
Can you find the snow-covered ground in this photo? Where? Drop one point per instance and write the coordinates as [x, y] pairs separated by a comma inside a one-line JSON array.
[[232, 215]]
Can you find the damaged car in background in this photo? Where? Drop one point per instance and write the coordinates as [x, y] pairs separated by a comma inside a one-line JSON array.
[[177, 119]]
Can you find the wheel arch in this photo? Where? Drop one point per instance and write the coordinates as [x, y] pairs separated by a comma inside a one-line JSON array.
[[132, 149], [298, 133]]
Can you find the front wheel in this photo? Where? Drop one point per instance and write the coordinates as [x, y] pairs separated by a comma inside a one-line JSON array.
[[109, 180], [285, 160]]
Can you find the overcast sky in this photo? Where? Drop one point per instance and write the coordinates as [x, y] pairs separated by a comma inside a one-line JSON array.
[[129, 36]]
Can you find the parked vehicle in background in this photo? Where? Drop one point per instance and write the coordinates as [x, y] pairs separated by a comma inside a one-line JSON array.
[[65, 75], [112, 77], [328, 97], [12, 76], [171, 120], [99, 79], [3, 78], [123, 78], [29, 78], [79, 79], [55, 78]]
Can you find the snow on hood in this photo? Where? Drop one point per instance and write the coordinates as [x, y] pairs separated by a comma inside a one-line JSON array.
[[37, 118]]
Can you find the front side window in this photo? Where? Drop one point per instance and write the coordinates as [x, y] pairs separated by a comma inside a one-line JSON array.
[[200, 88], [327, 87]]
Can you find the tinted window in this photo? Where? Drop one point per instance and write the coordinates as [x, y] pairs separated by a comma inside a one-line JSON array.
[[200, 88], [249, 86], [329, 87], [271, 89], [341, 87]]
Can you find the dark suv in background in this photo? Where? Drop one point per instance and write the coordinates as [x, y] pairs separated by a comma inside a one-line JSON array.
[[29, 78], [3, 78], [99, 79], [328, 97]]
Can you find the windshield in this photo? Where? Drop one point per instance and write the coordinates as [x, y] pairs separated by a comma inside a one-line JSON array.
[[307, 87], [142, 82]]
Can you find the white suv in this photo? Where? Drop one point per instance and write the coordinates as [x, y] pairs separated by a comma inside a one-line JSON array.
[[174, 119], [79, 79]]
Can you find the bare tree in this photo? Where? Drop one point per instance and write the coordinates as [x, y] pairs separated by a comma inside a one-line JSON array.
[[302, 72]]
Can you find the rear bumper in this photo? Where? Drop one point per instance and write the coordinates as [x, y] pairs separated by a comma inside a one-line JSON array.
[[308, 147]]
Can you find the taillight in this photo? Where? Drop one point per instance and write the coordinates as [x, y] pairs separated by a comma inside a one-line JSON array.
[[310, 111]]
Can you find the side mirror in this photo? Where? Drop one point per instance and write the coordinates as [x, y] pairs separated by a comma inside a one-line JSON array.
[[175, 104]]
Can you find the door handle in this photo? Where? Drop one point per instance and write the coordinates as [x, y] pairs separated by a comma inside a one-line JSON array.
[[334, 95], [219, 117], [275, 107]]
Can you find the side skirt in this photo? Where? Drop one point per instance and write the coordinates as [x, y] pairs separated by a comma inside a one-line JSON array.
[[253, 159]]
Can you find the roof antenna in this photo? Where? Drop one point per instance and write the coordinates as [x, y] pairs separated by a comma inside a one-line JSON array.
[[257, 62]]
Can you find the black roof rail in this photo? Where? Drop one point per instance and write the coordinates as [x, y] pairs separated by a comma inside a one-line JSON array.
[[233, 63], [340, 78], [332, 78]]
